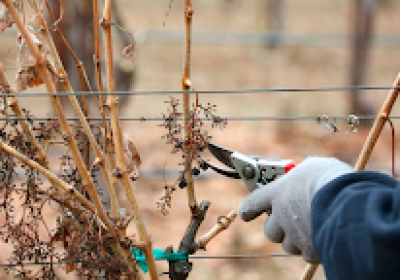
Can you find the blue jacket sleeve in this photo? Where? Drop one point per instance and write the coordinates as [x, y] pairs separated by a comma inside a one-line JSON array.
[[356, 226]]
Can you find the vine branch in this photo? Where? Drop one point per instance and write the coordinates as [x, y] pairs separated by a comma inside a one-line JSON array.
[[186, 86], [117, 139]]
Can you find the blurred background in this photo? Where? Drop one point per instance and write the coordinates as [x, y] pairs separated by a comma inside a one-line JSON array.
[[252, 44]]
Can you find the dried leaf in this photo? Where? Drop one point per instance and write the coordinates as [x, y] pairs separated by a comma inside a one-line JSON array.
[[70, 267], [28, 74], [132, 157], [5, 18]]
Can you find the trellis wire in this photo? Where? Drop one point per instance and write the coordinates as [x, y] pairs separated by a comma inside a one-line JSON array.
[[244, 118], [244, 38], [223, 91], [240, 256], [189, 257]]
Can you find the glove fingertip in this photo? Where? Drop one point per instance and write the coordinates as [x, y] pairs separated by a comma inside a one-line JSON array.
[[256, 203], [248, 215]]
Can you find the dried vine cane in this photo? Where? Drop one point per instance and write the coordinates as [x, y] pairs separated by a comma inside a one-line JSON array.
[[117, 139], [108, 150], [223, 223], [186, 86], [367, 149]]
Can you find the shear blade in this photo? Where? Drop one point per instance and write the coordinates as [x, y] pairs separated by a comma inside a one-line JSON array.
[[222, 154], [226, 172]]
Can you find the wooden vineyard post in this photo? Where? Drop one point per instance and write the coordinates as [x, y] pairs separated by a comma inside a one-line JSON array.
[[367, 149]]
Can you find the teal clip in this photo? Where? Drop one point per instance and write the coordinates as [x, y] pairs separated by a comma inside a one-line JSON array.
[[159, 254]]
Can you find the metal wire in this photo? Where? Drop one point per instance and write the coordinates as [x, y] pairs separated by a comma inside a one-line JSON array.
[[223, 91], [36, 263], [245, 38], [190, 257], [244, 118], [240, 256]]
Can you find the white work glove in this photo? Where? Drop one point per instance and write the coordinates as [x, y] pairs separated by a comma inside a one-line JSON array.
[[289, 197]]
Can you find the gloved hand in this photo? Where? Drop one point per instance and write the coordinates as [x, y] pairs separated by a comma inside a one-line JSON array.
[[289, 197]]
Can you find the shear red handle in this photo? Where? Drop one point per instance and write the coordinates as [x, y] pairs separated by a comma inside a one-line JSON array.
[[289, 166]]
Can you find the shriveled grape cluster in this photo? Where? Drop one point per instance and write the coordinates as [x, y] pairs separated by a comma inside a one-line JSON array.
[[196, 142]]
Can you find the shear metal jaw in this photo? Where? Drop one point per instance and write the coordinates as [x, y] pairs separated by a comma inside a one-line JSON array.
[[223, 171], [222, 154]]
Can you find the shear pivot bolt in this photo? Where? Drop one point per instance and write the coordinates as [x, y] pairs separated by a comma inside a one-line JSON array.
[[248, 172]]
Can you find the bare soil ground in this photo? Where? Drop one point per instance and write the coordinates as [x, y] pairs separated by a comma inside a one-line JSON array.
[[159, 67]]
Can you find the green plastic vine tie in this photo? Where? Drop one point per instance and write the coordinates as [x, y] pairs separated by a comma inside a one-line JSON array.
[[159, 254]]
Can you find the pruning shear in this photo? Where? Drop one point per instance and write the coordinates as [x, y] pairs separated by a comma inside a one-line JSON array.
[[253, 170]]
